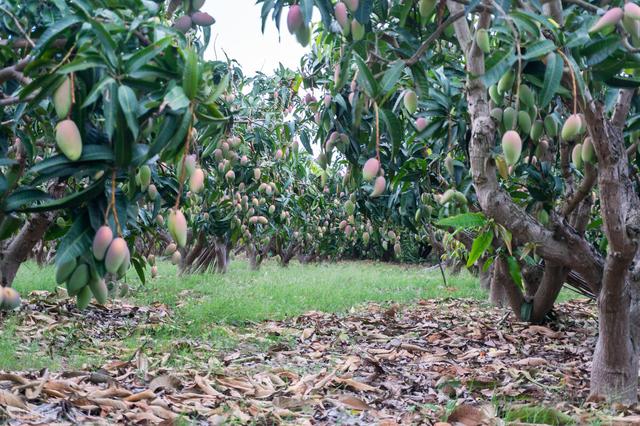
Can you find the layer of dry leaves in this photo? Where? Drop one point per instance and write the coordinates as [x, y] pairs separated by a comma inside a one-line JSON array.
[[455, 361]]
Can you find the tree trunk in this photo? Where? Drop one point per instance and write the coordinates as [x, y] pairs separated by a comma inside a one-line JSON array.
[[20, 247]]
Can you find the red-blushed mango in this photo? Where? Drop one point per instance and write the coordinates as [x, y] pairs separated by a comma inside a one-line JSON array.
[[342, 16], [279, 155], [378, 187], [160, 220], [176, 257], [421, 124], [410, 101], [632, 10], [154, 271], [607, 21], [397, 249], [99, 289], [230, 176], [170, 249], [263, 220], [576, 156], [69, 140], [83, 298], [257, 173], [196, 181], [10, 299], [151, 259], [78, 280], [426, 7], [370, 169], [101, 241], [482, 40], [295, 20], [327, 102], [64, 271], [116, 254], [202, 19], [352, 4], [178, 227], [511, 147], [62, 99], [244, 160], [357, 30], [588, 152], [182, 24], [365, 237], [571, 127]]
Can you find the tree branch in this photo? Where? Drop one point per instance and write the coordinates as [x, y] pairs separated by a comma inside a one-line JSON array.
[[621, 110]]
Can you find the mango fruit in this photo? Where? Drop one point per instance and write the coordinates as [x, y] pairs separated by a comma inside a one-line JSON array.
[[496, 114], [506, 82], [378, 187], [537, 128], [511, 147], [608, 21], [571, 127], [176, 257], [83, 298], [304, 36], [632, 11], [69, 140], [357, 30], [182, 24], [78, 280], [576, 156], [352, 4], [509, 117], [170, 249], [64, 271], [551, 126], [257, 173], [410, 101], [588, 152], [230, 176], [526, 96], [116, 254], [62, 99], [101, 242], [202, 19], [152, 192], [178, 227], [154, 271], [482, 40], [370, 169], [144, 176], [524, 122], [99, 289], [196, 181], [421, 124], [342, 17], [495, 96], [10, 299], [448, 164]]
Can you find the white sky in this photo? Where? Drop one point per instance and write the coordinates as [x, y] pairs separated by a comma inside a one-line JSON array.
[[238, 32]]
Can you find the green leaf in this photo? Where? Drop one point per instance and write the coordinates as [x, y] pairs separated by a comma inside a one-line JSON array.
[[129, 106], [600, 50], [365, 78], [538, 49], [497, 64], [363, 13], [220, 88], [89, 153], [552, 79], [143, 56], [463, 221], [76, 242], [480, 245], [391, 76], [70, 201], [81, 64], [97, 90], [393, 127], [53, 31], [24, 196], [514, 270], [107, 43], [176, 99]]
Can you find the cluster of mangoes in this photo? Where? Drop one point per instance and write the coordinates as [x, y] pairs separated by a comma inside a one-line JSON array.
[[68, 137], [193, 17], [372, 170], [347, 25], [9, 299]]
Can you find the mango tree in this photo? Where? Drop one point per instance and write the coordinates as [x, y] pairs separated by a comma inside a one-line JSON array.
[[546, 132], [99, 102]]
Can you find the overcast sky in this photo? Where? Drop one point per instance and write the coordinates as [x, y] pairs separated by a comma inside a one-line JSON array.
[[238, 32]]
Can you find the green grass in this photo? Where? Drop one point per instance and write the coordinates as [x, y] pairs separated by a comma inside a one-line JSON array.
[[243, 295]]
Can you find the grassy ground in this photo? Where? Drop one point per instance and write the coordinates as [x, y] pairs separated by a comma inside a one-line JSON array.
[[215, 308]]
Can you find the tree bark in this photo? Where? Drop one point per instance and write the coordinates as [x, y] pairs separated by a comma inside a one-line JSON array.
[[21, 246]]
